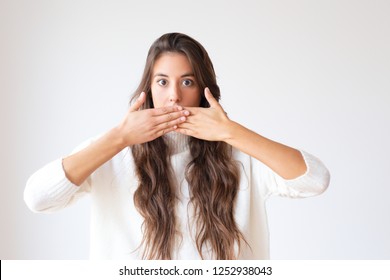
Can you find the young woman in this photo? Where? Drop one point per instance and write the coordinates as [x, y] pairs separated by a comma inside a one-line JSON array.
[[177, 179]]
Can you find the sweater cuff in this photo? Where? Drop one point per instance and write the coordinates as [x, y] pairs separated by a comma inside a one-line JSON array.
[[48, 189], [315, 180]]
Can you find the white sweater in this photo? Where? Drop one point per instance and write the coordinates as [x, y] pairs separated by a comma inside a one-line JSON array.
[[116, 224]]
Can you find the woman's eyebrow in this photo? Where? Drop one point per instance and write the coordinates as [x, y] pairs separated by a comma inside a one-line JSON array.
[[182, 76], [161, 75]]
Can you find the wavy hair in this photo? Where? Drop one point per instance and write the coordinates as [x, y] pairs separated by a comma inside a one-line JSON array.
[[212, 174]]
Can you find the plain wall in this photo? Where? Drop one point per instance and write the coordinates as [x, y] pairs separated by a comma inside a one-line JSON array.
[[311, 74]]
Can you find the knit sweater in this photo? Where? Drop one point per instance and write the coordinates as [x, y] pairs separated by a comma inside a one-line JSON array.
[[116, 225]]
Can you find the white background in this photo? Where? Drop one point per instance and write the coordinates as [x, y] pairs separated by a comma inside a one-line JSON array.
[[312, 74]]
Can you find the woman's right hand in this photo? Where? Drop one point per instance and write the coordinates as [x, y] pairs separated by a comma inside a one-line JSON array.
[[140, 126]]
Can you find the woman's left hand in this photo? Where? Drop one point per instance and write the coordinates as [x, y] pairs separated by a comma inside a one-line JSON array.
[[210, 124]]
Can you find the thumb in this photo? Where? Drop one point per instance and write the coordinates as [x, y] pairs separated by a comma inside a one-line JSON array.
[[138, 103], [210, 98]]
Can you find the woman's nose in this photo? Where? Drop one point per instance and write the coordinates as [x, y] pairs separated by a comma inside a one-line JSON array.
[[175, 95]]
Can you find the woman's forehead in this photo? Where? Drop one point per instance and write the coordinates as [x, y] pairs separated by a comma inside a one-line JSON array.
[[172, 64]]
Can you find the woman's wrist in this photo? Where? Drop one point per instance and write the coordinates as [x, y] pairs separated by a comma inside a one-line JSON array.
[[118, 138], [232, 129]]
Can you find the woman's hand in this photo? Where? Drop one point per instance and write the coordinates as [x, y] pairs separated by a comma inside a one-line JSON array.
[[140, 126], [210, 124]]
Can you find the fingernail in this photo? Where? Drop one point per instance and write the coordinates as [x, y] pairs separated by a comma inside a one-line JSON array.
[[183, 118], [186, 113]]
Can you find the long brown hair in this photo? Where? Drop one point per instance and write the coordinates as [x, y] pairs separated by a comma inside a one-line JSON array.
[[212, 174]]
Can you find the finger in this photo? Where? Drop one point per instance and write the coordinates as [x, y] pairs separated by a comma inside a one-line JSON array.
[[210, 98], [190, 127], [138, 103], [165, 131], [191, 120], [167, 110], [165, 128], [185, 131], [191, 111], [170, 124], [168, 117]]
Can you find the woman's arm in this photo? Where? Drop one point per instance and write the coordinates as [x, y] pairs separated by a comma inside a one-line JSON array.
[[285, 161], [213, 124], [61, 182], [137, 127]]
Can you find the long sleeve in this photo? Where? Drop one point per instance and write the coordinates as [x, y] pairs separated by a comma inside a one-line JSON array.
[[48, 189], [314, 182]]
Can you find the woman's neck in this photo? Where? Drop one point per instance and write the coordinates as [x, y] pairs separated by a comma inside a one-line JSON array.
[[177, 142]]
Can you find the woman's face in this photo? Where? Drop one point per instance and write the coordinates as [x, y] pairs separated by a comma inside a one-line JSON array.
[[173, 82]]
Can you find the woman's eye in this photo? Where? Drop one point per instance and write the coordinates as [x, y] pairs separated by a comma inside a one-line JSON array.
[[188, 83], [162, 82]]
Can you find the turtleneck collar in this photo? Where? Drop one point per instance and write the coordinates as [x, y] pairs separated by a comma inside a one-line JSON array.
[[177, 142]]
